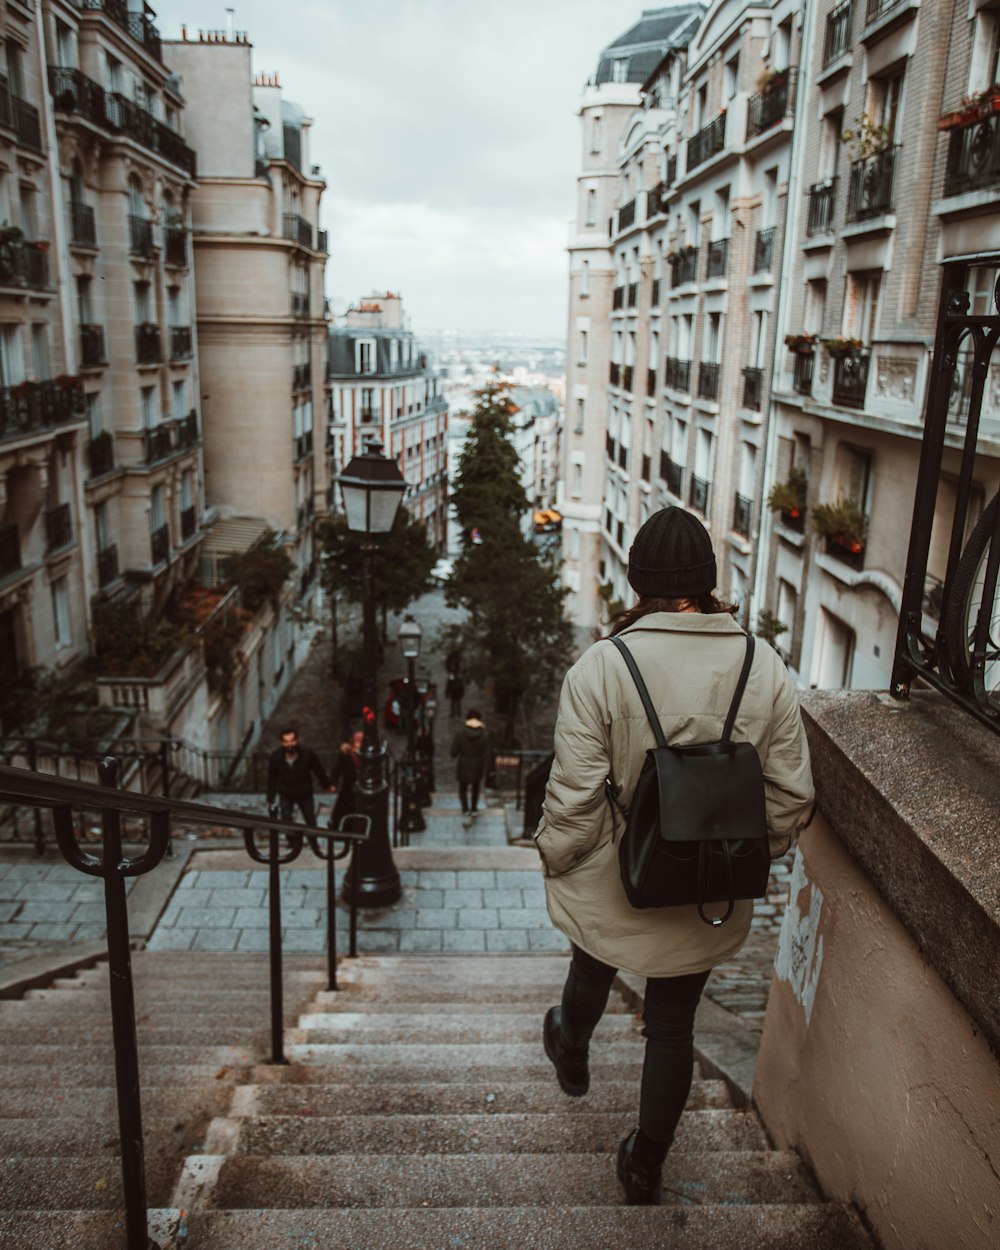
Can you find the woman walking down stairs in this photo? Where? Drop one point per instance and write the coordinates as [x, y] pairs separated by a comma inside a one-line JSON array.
[[418, 1112]]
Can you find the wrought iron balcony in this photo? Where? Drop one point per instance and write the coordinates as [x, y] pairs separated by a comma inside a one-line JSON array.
[[656, 200], [614, 374], [107, 565], [673, 474], [684, 266], [10, 551], [742, 514], [753, 387], [188, 523], [700, 490], [869, 192], [159, 544], [651, 382], [180, 343], [58, 527], [187, 431], [147, 344], [768, 108], [850, 378], [159, 442], [708, 142], [6, 108], [24, 264], [654, 292], [298, 230], [303, 446], [140, 234], [838, 32], [617, 298], [718, 256], [27, 123], [708, 379], [136, 24], [101, 454], [802, 373], [300, 304], [300, 377], [626, 215], [626, 377], [175, 246], [763, 250], [678, 373], [633, 294], [36, 407], [821, 203], [973, 156], [671, 177], [83, 229]]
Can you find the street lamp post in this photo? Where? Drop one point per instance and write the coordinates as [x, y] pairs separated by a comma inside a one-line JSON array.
[[410, 636], [373, 488]]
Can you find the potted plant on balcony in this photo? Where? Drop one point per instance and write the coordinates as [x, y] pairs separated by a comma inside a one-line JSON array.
[[772, 80], [842, 345], [843, 524], [801, 344], [789, 497], [25, 389], [66, 381], [973, 107], [866, 138], [9, 233], [769, 626]]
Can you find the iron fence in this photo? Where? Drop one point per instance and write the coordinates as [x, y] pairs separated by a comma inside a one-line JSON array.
[[708, 142], [763, 250], [838, 32], [973, 155], [821, 205], [871, 185]]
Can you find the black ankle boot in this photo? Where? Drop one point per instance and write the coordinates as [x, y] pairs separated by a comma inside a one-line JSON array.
[[570, 1062], [640, 1169]]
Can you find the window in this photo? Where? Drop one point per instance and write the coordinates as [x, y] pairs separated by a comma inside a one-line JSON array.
[[861, 305], [582, 356], [179, 399], [835, 655], [148, 407], [142, 303], [679, 442], [758, 339], [591, 206], [884, 99], [703, 455], [40, 350], [102, 527], [619, 69], [595, 133], [581, 405], [731, 78], [700, 106], [29, 211], [815, 306], [830, 144], [187, 489], [852, 476], [60, 613], [136, 202], [65, 46], [713, 337], [175, 308], [748, 470], [577, 480], [585, 278], [787, 608], [720, 223], [769, 208], [15, 68], [365, 357], [157, 511], [95, 422], [84, 306]]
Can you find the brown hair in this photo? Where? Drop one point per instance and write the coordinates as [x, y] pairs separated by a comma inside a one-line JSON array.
[[706, 603]]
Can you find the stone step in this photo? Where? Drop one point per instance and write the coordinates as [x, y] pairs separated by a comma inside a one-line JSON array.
[[91, 1182], [247, 1038], [499, 1058], [542, 994], [376, 1005], [505, 1180], [487, 1134], [788, 1226], [61, 1230], [84, 1074], [317, 1028], [477, 1097], [206, 1097], [179, 1132]]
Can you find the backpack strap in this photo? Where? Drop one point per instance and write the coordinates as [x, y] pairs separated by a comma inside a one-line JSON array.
[[640, 685], [741, 685]]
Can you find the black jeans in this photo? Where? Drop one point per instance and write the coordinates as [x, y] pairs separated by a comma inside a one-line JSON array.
[[463, 794], [304, 802], [669, 1032]]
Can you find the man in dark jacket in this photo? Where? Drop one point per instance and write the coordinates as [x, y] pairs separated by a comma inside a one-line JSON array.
[[472, 752], [289, 777]]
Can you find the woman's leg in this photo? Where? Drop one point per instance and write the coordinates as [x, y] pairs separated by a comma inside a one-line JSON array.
[[670, 1007], [475, 794], [463, 795], [584, 998]]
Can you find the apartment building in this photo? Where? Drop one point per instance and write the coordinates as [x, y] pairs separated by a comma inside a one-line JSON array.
[[888, 192], [383, 386]]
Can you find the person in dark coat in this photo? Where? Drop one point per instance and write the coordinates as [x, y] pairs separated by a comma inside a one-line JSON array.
[[455, 690], [345, 778], [290, 771], [472, 751]]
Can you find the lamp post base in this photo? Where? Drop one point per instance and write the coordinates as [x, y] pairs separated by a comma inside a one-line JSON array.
[[373, 873]]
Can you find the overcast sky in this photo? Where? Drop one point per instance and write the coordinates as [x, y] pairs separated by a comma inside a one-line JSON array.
[[446, 132]]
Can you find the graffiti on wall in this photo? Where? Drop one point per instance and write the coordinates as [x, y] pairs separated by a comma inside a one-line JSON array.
[[800, 944]]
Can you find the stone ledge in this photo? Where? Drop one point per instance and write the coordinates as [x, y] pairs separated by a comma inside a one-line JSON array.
[[913, 790]]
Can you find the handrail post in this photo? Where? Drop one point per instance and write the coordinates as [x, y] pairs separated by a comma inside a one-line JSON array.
[[353, 930], [39, 827], [277, 989]]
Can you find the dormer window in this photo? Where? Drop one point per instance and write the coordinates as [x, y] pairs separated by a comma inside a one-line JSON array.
[[619, 69], [365, 357]]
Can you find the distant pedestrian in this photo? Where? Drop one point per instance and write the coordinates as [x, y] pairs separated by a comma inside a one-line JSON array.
[[345, 778], [453, 662], [472, 751], [455, 690], [290, 771]]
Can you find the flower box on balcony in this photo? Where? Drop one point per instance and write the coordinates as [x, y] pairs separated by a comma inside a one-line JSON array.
[[844, 526], [789, 497], [802, 344], [841, 346], [975, 106]]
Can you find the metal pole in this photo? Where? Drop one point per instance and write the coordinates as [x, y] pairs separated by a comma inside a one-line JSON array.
[[274, 901], [351, 875], [165, 767], [331, 921], [39, 827]]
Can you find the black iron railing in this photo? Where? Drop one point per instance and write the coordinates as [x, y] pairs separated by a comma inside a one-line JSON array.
[[626, 215], [92, 353], [700, 490], [718, 257], [768, 107], [159, 442], [159, 544], [973, 156], [303, 446], [322, 241], [24, 264], [189, 522], [62, 798], [10, 551], [671, 177], [838, 32], [140, 235], [708, 142], [27, 123], [138, 25], [869, 191], [101, 455], [656, 200], [175, 246], [33, 407], [148, 349], [673, 474], [180, 342], [802, 373], [187, 430], [742, 514], [678, 373], [300, 377], [763, 250], [821, 205], [58, 527], [300, 304], [298, 230], [684, 266], [753, 387], [83, 228], [107, 565], [708, 379], [850, 378], [6, 108]]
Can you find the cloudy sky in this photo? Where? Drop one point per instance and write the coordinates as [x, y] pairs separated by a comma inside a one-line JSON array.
[[446, 132]]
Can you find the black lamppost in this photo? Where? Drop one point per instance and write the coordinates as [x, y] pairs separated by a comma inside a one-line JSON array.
[[410, 636], [373, 488]]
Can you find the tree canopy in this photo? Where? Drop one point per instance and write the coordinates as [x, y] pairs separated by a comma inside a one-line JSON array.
[[403, 562]]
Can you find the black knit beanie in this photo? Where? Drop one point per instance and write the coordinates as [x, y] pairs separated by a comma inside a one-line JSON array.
[[672, 557]]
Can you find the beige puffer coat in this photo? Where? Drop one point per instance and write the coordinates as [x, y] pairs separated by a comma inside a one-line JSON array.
[[690, 663]]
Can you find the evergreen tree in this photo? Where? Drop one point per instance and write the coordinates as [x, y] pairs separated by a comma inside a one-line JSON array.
[[515, 632]]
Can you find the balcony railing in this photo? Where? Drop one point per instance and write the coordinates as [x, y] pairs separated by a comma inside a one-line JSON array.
[[159, 442], [626, 377], [718, 256], [188, 523], [678, 373], [656, 200], [101, 455], [300, 304], [148, 349], [673, 474], [768, 108], [821, 202], [10, 551], [159, 544], [34, 407], [850, 378], [742, 514], [6, 108], [650, 382], [654, 292], [24, 264], [684, 266], [58, 527], [614, 374], [27, 124], [869, 192], [763, 250], [298, 230], [175, 246], [753, 387], [136, 24], [838, 32], [369, 412], [303, 445], [700, 490], [671, 177], [180, 343], [709, 141], [140, 236], [187, 432], [633, 294], [802, 373], [973, 156], [92, 353], [626, 215], [82, 225], [107, 565], [708, 379], [617, 298], [300, 377]]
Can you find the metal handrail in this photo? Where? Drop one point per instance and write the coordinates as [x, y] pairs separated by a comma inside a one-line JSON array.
[[61, 796]]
